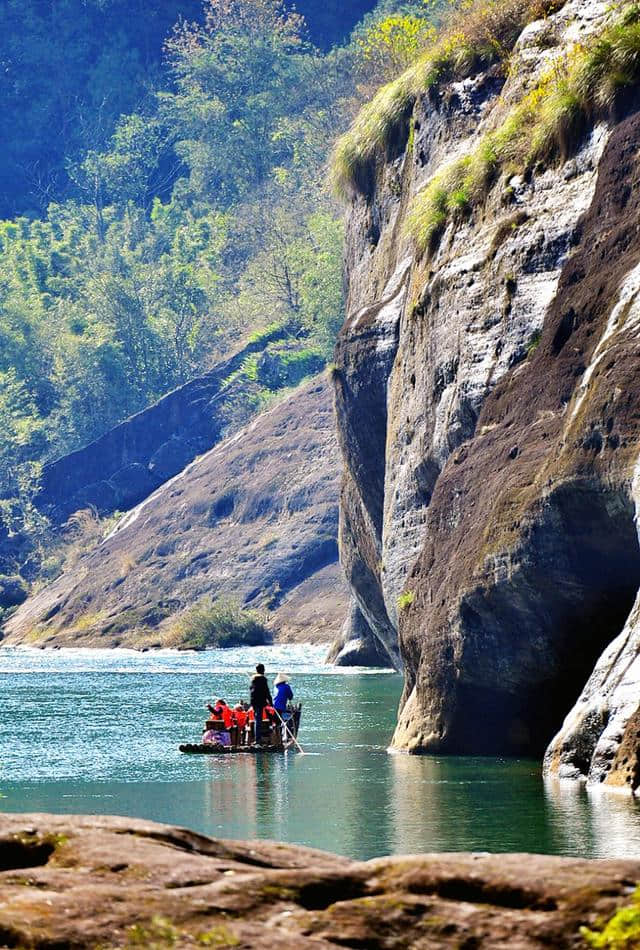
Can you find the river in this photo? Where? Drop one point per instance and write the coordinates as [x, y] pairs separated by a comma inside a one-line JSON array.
[[97, 732]]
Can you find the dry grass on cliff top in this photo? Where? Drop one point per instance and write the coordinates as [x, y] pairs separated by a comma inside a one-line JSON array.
[[550, 121], [476, 34]]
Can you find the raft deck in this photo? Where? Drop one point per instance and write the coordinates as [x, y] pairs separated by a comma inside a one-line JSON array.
[[210, 748]]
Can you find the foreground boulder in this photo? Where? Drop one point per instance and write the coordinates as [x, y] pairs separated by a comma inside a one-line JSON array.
[[114, 882], [489, 417], [254, 519]]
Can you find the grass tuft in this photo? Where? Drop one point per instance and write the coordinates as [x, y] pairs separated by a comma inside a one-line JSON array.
[[621, 932], [477, 34], [406, 599], [379, 123], [548, 124]]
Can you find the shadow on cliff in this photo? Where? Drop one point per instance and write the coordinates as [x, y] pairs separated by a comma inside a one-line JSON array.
[[532, 562], [533, 638]]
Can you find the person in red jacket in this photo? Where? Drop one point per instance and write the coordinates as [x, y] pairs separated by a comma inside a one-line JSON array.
[[220, 710], [240, 717]]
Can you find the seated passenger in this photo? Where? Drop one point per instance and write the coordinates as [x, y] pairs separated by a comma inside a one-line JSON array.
[[220, 710], [219, 737], [215, 708], [227, 714], [270, 725], [251, 724], [240, 715], [238, 730]]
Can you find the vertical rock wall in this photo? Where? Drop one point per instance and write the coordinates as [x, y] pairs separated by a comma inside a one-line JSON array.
[[488, 412]]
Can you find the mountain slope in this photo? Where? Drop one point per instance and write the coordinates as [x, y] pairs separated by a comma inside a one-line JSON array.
[[129, 461], [255, 519]]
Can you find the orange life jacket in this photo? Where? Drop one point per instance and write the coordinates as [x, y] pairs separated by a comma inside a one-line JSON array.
[[265, 714], [222, 711]]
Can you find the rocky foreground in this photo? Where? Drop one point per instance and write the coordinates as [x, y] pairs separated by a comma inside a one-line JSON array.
[[74, 881]]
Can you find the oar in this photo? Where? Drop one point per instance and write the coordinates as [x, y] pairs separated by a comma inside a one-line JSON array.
[[289, 731]]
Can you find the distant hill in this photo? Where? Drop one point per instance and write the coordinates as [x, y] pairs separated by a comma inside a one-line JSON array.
[[70, 69], [255, 519]]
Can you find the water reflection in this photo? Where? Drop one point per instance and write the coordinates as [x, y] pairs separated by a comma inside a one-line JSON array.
[[111, 740], [232, 789], [592, 822], [468, 804]]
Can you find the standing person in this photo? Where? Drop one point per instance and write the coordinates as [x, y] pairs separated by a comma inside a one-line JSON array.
[[284, 693], [260, 697]]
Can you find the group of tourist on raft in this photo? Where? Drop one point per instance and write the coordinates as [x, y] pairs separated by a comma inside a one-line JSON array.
[[260, 722]]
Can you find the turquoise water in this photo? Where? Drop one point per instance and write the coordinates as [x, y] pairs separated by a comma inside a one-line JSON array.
[[97, 732]]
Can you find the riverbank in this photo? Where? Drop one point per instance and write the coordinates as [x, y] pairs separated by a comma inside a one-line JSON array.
[[112, 882]]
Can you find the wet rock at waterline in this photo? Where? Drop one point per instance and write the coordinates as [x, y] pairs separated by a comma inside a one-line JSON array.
[[113, 882], [489, 416], [600, 738], [356, 645]]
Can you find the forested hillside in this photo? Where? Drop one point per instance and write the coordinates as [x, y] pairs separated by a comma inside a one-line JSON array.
[[163, 192], [70, 68]]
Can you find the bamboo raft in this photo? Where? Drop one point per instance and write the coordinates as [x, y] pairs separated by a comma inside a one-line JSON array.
[[279, 739]]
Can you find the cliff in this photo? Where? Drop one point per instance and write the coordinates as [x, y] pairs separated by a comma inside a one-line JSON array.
[[487, 394], [255, 518], [115, 882], [128, 462]]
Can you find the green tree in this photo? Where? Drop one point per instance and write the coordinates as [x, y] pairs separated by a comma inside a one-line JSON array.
[[197, 220], [236, 77], [390, 45], [68, 70]]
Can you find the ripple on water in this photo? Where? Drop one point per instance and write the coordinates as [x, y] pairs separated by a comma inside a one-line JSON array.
[[97, 731]]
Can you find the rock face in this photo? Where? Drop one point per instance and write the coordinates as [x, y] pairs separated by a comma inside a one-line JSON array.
[[355, 646], [489, 417], [116, 882], [254, 518], [128, 462]]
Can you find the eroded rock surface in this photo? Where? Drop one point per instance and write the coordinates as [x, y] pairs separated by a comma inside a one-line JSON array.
[[255, 518], [600, 737], [105, 882], [489, 414]]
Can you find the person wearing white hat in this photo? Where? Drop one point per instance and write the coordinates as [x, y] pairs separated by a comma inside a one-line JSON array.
[[282, 694]]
